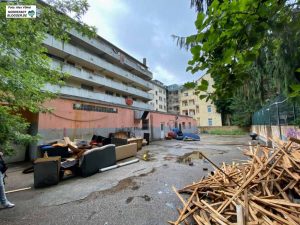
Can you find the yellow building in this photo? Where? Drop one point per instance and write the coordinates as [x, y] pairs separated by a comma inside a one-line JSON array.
[[204, 112]]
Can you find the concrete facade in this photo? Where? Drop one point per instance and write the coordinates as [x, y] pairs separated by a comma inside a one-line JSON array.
[[99, 70], [173, 98], [159, 92], [203, 111]]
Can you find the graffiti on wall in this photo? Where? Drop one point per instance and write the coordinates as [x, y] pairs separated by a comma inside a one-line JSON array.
[[292, 132]]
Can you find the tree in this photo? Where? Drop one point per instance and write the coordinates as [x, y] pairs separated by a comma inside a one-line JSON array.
[[250, 48], [25, 66]]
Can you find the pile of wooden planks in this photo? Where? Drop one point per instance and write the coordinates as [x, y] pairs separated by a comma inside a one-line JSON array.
[[264, 190]]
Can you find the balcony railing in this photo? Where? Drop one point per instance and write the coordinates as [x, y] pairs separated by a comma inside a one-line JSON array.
[[109, 50], [100, 80], [80, 54], [85, 94]]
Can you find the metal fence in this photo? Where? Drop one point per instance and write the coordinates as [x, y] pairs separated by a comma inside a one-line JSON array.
[[281, 111]]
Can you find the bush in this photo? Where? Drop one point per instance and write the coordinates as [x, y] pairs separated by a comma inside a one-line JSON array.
[[227, 132]]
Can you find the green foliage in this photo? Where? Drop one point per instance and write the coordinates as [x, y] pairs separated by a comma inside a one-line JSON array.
[[25, 66], [227, 132], [12, 130], [189, 85], [251, 50]]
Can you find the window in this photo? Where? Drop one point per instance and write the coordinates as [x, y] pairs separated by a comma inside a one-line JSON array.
[[155, 92], [184, 103], [209, 108], [197, 108], [109, 93], [183, 125], [190, 125], [87, 87], [191, 102], [192, 112], [210, 122], [160, 98], [186, 94], [145, 124], [160, 106], [118, 95], [95, 108], [156, 102]]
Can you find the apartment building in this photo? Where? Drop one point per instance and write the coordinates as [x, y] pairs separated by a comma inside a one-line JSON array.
[[203, 112], [159, 92], [173, 98], [107, 92], [100, 72]]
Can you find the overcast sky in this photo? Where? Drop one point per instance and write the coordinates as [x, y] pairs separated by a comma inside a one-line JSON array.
[[143, 28]]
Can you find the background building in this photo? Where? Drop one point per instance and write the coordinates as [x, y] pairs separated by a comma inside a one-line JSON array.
[[204, 112], [159, 92], [173, 98]]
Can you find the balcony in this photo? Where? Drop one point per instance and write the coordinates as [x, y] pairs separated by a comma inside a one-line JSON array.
[[84, 94], [109, 49], [79, 55], [100, 80]]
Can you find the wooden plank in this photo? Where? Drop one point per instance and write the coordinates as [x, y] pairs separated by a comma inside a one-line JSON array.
[[223, 206], [295, 140], [205, 217], [218, 215], [185, 207], [185, 222], [262, 210], [240, 215], [287, 162], [18, 190], [200, 219], [181, 199]]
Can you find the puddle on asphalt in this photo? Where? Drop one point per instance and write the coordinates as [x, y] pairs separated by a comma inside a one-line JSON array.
[[188, 157], [170, 157], [145, 197]]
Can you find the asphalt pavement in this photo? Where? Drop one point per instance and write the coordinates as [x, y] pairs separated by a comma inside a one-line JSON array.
[[137, 194]]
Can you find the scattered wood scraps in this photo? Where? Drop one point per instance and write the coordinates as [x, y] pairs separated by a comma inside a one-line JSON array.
[[268, 190]]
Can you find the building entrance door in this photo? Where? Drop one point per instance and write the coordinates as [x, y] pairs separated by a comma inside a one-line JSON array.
[[162, 130]]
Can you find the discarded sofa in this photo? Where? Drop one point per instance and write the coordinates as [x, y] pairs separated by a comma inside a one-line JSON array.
[[97, 158], [126, 151]]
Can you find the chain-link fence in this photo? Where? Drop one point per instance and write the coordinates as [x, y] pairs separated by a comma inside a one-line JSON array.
[[281, 111]]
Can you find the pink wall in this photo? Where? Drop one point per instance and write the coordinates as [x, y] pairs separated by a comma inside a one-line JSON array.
[[169, 120], [64, 116]]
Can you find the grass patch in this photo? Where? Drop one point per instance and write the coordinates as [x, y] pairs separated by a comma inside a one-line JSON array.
[[227, 132]]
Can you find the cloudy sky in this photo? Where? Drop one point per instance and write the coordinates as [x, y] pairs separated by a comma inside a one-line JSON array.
[[143, 28]]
